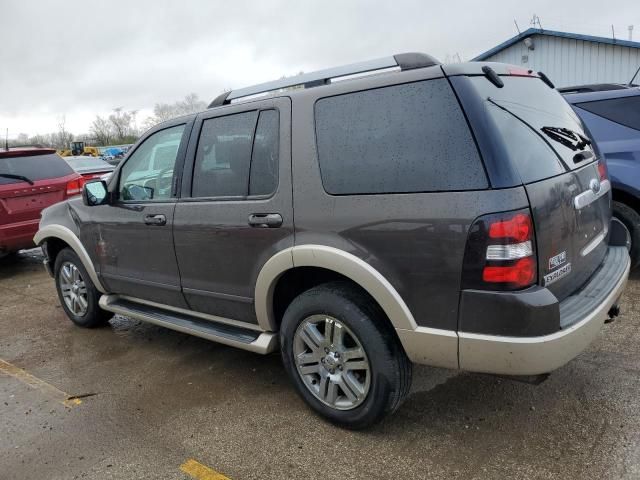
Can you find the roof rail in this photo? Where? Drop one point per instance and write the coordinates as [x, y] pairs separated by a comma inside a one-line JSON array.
[[405, 61]]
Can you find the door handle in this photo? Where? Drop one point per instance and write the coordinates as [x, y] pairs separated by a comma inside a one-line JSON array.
[[157, 220], [265, 220]]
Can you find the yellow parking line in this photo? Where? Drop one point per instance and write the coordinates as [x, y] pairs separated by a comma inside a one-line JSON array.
[[200, 471], [34, 382]]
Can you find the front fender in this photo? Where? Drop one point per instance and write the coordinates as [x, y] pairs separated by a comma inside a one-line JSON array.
[[67, 236]]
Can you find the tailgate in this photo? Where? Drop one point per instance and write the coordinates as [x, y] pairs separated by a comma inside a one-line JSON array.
[[22, 202], [549, 147], [571, 217]]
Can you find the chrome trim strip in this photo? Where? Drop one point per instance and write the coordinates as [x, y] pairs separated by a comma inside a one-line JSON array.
[[594, 243], [589, 196], [535, 355], [140, 281], [218, 295], [70, 238]]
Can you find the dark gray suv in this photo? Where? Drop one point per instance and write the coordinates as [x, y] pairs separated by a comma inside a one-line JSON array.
[[358, 219]]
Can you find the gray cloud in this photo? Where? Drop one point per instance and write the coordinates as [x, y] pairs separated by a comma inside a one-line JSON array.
[[80, 58]]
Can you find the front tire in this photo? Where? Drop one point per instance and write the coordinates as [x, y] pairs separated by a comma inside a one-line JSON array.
[[631, 220], [342, 355], [78, 295]]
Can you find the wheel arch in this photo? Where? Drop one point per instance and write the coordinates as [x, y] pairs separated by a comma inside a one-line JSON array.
[[63, 235], [330, 259]]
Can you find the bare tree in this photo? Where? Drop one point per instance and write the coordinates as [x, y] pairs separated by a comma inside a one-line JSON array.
[[62, 136], [101, 130], [166, 111]]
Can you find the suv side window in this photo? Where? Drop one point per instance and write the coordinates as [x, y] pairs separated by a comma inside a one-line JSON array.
[[148, 172], [399, 139], [237, 155], [264, 159], [625, 110]]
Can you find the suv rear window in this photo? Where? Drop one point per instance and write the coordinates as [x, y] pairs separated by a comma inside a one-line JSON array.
[[625, 110], [399, 139], [35, 167], [521, 110]]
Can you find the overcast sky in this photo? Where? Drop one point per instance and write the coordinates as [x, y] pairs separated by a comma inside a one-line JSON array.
[[80, 58]]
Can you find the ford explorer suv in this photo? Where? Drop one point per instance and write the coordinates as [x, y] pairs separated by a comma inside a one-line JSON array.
[[359, 220], [31, 179], [612, 115]]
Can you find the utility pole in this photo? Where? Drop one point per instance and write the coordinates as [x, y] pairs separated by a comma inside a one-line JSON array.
[[630, 33]]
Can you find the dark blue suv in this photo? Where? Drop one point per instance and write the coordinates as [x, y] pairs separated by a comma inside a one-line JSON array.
[[612, 114]]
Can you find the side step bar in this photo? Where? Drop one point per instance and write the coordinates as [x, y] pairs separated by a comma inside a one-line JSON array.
[[232, 335]]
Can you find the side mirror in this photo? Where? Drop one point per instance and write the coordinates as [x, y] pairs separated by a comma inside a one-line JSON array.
[[95, 193]]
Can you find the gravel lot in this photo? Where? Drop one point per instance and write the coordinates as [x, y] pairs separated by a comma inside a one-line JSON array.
[[150, 399]]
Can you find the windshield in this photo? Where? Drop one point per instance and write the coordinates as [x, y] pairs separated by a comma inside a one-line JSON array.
[[535, 118]]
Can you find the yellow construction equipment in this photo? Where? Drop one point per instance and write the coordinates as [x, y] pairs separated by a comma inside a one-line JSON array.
[[79, 148]]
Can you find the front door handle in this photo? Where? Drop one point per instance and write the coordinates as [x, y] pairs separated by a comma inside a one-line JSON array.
[[265, 220], [157, 220]]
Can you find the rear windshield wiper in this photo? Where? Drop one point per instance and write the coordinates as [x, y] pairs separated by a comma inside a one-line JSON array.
[[570, 139], [17, 177]]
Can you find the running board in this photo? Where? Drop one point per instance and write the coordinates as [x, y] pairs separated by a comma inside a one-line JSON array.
[[232, 335]]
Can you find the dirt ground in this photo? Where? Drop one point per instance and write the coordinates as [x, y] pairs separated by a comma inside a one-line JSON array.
[[137, 401]]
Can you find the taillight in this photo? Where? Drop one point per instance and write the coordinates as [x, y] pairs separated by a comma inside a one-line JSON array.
[[500, 252], [74, 187], [602, 170]]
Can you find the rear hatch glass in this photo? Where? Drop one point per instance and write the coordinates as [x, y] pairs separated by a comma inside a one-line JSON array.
[[34, 167], [551, 150], [21, 201]]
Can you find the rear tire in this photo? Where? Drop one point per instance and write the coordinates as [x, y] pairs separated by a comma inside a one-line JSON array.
[[78, 295], [351, 369], [631, 219]]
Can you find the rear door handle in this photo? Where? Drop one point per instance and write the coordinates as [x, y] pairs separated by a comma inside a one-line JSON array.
[[157, 220], [265, 220]]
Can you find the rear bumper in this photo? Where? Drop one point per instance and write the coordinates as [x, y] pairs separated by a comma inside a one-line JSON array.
[[581, 317]]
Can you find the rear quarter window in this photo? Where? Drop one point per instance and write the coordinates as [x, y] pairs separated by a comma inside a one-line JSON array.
[[35, 167], [399, 139], [625, 110]]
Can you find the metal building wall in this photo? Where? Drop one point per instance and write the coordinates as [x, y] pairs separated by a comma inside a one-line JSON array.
[[570, 62]]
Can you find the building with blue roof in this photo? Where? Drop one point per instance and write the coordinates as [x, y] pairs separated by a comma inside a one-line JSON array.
[[569, 59]]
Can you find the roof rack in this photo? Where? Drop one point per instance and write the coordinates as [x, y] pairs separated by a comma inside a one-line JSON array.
[[405, 61]]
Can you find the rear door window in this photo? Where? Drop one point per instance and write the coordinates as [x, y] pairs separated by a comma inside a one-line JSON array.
[[237, 155], [35, 167], [399, 139], [625, 110]]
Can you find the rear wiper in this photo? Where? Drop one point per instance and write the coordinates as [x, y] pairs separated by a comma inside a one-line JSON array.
[[570, 139], [17, 177]]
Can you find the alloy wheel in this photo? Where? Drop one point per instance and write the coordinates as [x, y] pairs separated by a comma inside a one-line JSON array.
[[331, 362], [73, 288]]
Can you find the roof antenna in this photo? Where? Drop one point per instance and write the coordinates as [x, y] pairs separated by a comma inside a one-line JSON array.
[[517, 27], [634, 77], [613, 33], [536, 19]]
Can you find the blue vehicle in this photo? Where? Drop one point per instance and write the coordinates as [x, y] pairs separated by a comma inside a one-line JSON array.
[[611, 112]]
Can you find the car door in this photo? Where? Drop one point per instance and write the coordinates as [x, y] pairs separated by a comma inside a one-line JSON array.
[[236, 208], [133, 234]]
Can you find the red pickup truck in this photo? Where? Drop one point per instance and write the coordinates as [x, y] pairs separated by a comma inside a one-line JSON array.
[[31, 179]]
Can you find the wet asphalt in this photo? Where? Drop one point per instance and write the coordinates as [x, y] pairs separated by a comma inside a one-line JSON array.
[[151, 399]]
